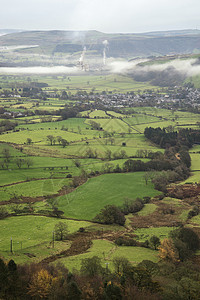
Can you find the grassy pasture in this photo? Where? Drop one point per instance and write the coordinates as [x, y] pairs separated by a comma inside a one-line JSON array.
[[195, 80], [33, 188], [195, 148], [195, 177], [32, 231], [13, 176], [111, 125], [83, 82], [43, 169], [195, 159], [172, 201], [161, 124], [106, 250], [144, 234], [94, 114], [195, 165], [87, 200], [176, 116], [133, 143], [195, 220], [47, 167], [116, 115], [73, 124], [38, 136], [13, 152], [87, 83], [147, 209], [141, 119]]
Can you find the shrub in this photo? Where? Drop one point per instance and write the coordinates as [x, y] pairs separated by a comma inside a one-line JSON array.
[[69, 176], [110, 214], [122, 241], [187, 236], [132, 206], [91, 266]]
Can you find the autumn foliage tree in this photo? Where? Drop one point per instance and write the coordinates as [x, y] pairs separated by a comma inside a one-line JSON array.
[[41, 284], [168, 251]]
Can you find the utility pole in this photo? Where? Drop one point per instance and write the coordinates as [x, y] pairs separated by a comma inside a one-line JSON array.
[[53, 240], [11, 246]]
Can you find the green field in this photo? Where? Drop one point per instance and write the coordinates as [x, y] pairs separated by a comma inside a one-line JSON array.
[[147, 209], [33, 188], [31, 230], [38, 136], [32, 234], [107, 251], [144, 234], [87, 200], [194, 177], [195, 157]]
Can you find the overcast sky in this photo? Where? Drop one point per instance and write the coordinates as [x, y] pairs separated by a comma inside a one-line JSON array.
[[104, 15]]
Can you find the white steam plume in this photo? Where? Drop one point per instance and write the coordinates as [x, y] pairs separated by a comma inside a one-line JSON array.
[[105, 43], [82, 57]]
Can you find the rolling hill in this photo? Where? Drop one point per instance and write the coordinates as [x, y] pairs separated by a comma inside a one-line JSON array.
[[119, 45]]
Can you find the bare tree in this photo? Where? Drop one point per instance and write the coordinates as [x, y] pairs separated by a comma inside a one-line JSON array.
[[61, 231], [19, 162], [28, 161], [51, 139]]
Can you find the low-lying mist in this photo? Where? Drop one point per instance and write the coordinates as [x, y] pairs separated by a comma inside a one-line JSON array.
[[139, 69], [40, 70], [189, 67]]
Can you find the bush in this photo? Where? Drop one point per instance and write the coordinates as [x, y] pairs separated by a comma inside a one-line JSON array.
[[194, 212], [69, 176], [91, 266], [3, 213], [110, 214], [132, 206], [154, 241], [186, 241], [187, 236], [123, 241]]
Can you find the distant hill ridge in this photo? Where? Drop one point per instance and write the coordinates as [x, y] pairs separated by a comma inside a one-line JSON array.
[[119, 44]]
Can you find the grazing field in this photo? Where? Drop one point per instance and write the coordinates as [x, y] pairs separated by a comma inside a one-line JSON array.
[[87, 200], [195, 220], [144, 234], [107, 251], [147, 209], [196, 148], [33, 188], [194, 178], [31, 230], [72, 124], [111, 125], [94, 114], [195, 158], [38, 136], [32, 234]]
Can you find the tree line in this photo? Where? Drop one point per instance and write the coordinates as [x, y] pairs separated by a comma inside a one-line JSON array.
[[184, 137]]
